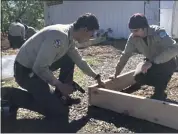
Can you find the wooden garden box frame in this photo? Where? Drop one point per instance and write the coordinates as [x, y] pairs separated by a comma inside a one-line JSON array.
[[110, 97]]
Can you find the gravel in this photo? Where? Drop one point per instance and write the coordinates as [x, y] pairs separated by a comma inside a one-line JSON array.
[[93, 119]]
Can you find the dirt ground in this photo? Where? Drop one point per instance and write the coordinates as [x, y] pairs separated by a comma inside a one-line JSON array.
[[85, 118]]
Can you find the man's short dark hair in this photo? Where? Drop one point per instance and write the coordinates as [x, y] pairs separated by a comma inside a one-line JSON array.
[[137, 21], [88, 21], [18, 20]]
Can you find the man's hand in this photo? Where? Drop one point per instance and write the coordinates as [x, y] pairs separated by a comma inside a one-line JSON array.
[[147, 65], [117, 72], [100, 83], [112, 77], [144, 66], [66, 89]]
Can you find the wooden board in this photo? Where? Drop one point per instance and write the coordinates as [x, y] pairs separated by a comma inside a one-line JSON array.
[[155, 111], [122, 81]]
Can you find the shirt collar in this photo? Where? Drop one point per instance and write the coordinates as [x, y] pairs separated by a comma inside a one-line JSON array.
[[149, 31], [70, 34], [70, 31]]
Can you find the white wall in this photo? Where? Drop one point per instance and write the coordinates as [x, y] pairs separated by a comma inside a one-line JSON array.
[[175, 20], [152, 12], [166, 20], [166, 15], [111, 14]]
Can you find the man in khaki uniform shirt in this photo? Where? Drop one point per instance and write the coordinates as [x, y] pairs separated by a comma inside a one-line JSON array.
[[52, 48], [16, 34], [158, 48]]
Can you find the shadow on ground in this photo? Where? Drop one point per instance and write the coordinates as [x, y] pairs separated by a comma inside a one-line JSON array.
[[48, 126], [42, 126], [132, 124], [134, 89]]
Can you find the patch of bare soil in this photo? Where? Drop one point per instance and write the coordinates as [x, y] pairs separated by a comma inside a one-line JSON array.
[[9, 51], [4, 42], [5, 47], [91, 119]]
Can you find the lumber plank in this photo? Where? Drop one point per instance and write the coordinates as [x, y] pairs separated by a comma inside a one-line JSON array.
[[155, 111], [122, 81]]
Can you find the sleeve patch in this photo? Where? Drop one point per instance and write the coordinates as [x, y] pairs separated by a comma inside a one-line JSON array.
[[162, 34], [57, 43]]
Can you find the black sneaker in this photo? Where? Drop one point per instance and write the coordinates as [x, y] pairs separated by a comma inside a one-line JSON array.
[[8, 111], [67, 100]]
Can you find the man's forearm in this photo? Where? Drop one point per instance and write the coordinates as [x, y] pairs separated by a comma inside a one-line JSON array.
[[81, 63], [46, 75], [86, 68], [122, 62]]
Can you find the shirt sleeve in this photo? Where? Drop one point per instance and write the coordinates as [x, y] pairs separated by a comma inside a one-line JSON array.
[[126, 54], [170, 48], [46, 55], [80, 62], [129, 47]]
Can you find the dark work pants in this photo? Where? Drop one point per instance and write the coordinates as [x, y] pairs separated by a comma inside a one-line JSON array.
[[40, 97], [158, 76], [15, 41], [66, 66]]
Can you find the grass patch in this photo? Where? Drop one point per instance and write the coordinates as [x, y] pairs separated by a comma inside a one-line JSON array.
[[92, 61], [79, 76], [9, 83]]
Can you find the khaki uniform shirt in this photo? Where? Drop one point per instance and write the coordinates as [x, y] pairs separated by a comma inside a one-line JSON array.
[[29, 32], [160, 49], [17, 29], [47, 46]]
